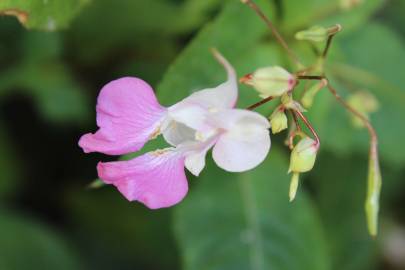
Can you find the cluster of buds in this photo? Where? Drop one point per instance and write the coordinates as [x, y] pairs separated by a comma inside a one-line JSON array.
[[277, 82], [274, 82]]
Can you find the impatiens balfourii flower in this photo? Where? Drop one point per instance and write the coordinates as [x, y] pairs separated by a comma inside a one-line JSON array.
[[128, 115]]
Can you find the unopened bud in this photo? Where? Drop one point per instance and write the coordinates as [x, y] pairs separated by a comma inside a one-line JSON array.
[[294, 186], [278, 121], [303, 155], [372, 204], [270, 81], [309, 95], [349, 4], [289, 103], [317, 33], [365, 103]]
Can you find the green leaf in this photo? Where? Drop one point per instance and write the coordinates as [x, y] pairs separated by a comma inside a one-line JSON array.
[[196, 68], [299, 15], [129, 29], [42, 75], [340, 196], [26, 244], [244, 221], [48, 15], [8, 164], [107, 223]]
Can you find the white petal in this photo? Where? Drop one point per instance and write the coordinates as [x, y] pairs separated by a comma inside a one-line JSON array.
[[231, 118], [195, 162], [191, 110], [189, 114], [221, 97], [245, 142], [176, 133]]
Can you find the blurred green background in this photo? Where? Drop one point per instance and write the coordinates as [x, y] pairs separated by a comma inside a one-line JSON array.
[[52, 68]]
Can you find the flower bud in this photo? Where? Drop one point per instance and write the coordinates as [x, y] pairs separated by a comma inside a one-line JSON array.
[[365, 103], [303, 155], [372, 204], [315, 33], [349, 4], [278, 121], [294, 186], [318, 33], [289, 103], [308, 98], [270, 81]]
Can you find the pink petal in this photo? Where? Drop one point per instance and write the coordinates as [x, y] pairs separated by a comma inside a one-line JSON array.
[[244, 142], [156, 179], [128, 115]]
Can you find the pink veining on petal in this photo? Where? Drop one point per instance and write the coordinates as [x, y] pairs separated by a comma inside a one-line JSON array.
[[157, 179], [128, 115]]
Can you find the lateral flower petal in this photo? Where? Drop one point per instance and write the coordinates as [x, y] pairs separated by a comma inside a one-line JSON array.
[[244, 142], [195, 154], [156, 179], [128, 115]]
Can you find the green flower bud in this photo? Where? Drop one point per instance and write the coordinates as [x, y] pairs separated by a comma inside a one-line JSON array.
[[372, 204], [318, 33], [278, 121], [289, 103], [309, 95], [294, 186], [303, 155], [350, 4], [270, 81], [315, 33], [365, 103]]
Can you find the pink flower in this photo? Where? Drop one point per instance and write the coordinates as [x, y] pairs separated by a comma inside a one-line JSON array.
[[128, 115]]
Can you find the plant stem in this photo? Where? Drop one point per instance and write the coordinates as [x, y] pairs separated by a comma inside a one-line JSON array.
[[308, 124], [310, 77], [333, 31], [366, 122], [261, 102], [374, 178], [274, 30], [297, 124]]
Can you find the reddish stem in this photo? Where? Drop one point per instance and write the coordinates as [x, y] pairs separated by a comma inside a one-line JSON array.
[[274, 30], [308, 124], [261, 102]]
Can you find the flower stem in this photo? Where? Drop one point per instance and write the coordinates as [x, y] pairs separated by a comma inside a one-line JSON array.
[[333, 31], [374, 177], [261, 102], [308, 124], [310, 77], [274, 30]]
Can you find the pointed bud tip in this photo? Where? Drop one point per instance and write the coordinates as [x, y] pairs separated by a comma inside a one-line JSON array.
[[246, 79], [293, 186]]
